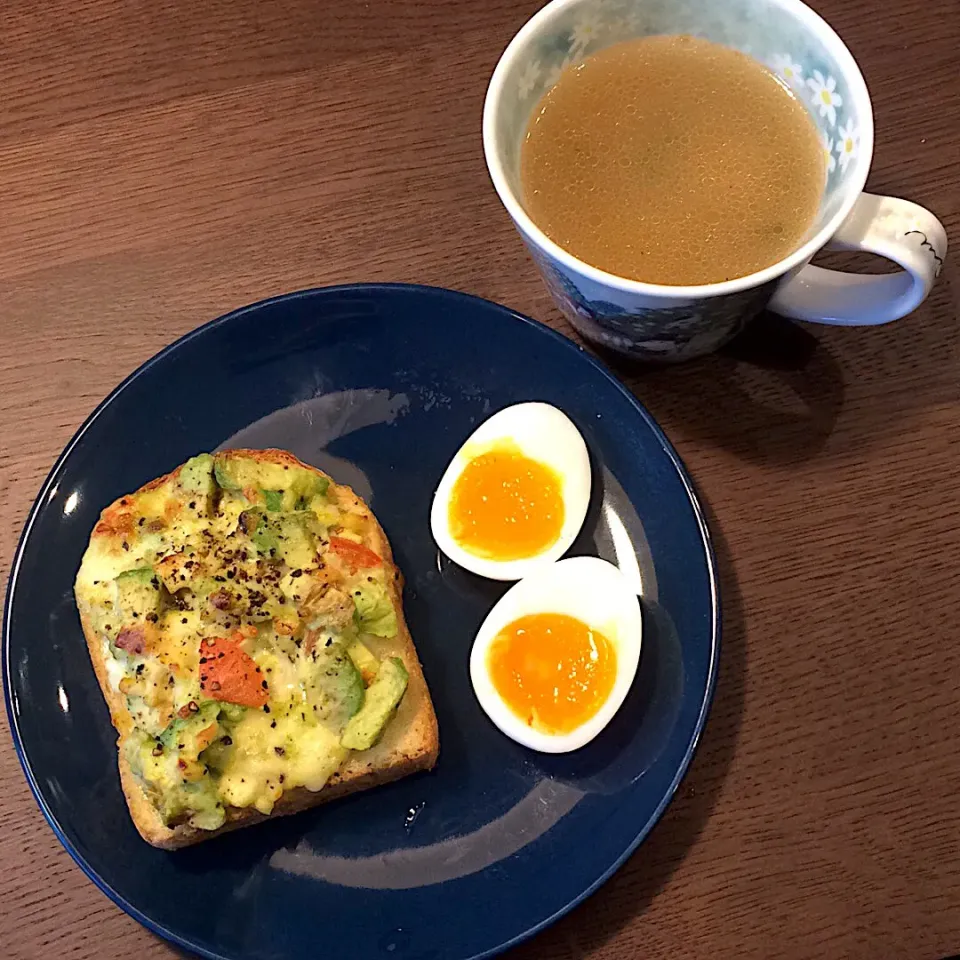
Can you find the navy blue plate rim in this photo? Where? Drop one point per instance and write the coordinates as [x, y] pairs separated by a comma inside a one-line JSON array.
[[51, 480]]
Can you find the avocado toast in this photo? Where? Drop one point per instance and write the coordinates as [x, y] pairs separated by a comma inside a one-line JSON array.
[[243, 616]]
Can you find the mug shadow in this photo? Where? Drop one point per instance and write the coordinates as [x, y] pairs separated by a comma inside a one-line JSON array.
[[633, 887], [773, 394]]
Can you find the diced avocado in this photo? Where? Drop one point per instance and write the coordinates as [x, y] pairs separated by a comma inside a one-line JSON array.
[[303, 492], [382, 697], [138, 593], [192, 730], [232, 712], [336, 688], [264, 537], [184, 730], [364, 660], [236, 473], [273, 500], [285, 536], [374, 610], [196, 482], [195, 803], [155, 761], [206, 810], [218, 754], [202, 588], [284, 488], [297, 545], [303, 488], [295, 486], [223, 476], [261, 531]]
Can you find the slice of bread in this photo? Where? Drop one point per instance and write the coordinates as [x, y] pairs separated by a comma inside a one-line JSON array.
[[410, 742]]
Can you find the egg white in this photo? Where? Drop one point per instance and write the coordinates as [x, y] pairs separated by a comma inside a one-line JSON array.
[[542, 433], [595, 592]]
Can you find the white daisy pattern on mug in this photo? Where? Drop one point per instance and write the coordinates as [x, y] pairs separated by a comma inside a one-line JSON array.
[[553, 75], [584, 33], [528, 79], [785, 67], [848, 140], [828, 158], [824, 96]]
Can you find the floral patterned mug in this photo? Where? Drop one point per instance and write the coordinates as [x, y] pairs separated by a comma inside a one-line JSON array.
[[672, 323]]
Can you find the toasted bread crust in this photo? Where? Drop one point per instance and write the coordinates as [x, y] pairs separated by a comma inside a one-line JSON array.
[[409, 744]]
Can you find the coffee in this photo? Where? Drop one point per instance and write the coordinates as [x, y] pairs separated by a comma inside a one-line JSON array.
[[672, 160]]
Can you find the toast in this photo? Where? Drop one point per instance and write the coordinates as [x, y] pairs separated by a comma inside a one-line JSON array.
[[209, 724]]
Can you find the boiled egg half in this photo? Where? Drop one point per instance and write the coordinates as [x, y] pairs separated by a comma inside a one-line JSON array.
[[555, 658], [515, 494]]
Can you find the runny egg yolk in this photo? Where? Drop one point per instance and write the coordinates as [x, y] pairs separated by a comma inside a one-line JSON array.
[[552, 670], [506, 506]]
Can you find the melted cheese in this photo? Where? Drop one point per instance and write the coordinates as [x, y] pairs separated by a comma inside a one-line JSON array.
[[106, 558], [100, 565], [256, 755], [276, 752], [115, 669], [178, 645]]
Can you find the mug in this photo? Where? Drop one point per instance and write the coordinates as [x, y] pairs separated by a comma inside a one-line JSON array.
[[672, 323]]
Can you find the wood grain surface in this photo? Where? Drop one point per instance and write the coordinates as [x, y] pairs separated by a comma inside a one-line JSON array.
[[163, 162]]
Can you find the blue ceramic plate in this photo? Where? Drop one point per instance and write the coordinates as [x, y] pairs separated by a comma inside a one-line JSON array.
[[378, 385]]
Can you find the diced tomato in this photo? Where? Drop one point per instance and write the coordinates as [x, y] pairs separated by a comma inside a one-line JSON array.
[[354, 555], [228, 673]]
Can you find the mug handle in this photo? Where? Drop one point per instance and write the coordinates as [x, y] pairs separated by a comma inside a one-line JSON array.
[[896, 229]]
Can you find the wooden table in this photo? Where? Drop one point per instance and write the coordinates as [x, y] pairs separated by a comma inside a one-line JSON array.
[[163, 162]]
